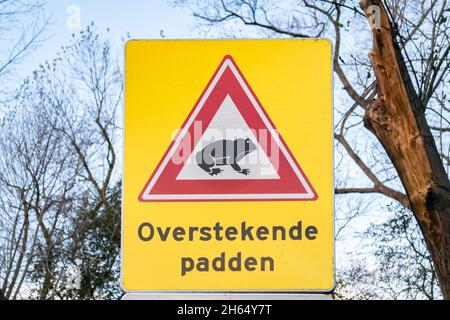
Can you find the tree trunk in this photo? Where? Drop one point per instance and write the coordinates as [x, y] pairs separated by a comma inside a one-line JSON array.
[[397, 119]]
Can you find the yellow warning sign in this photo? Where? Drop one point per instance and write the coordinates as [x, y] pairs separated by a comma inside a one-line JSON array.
[[228, 163]]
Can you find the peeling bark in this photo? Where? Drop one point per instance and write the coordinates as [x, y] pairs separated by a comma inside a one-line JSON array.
[[397, 119]]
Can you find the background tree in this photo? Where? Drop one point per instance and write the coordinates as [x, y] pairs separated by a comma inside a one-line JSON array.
[[59, 196], [399, 94], [96, 249], [22, 29], [401, 266]]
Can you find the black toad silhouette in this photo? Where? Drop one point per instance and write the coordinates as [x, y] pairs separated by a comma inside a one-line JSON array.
[[222, 153]]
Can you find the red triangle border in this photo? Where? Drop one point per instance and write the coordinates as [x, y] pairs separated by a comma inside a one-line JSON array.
[[146, 193]]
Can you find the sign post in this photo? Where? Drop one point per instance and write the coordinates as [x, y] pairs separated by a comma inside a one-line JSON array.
[[228, 167]]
